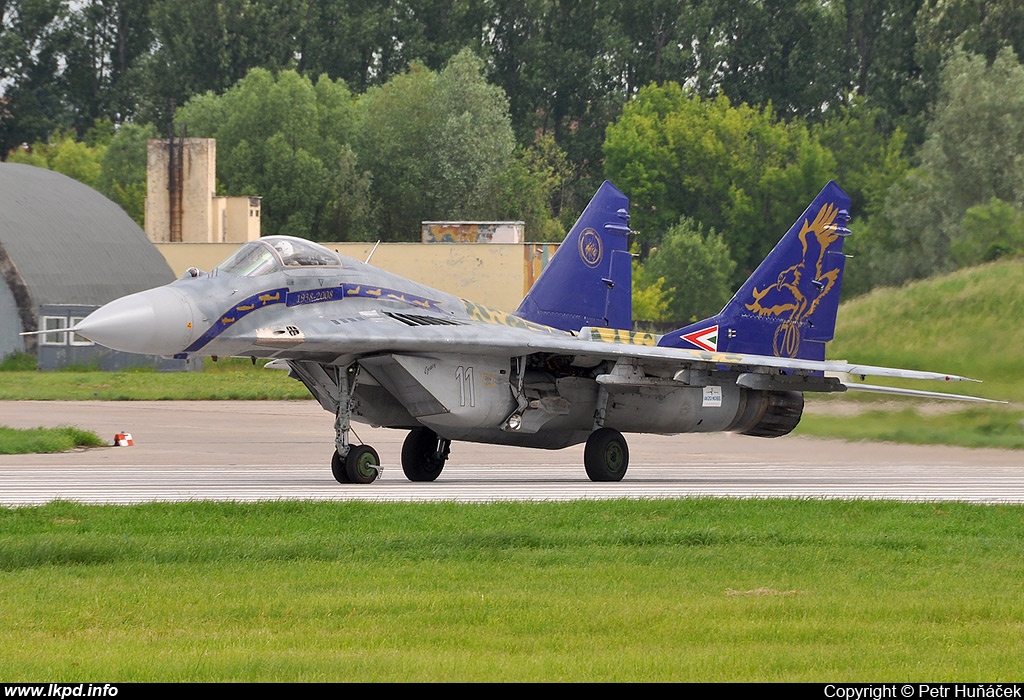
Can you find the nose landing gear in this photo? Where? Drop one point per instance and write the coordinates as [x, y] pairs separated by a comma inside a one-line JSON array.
[[360, 466]]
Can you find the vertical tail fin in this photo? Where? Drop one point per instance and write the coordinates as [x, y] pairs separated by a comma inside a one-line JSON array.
[[788, 306], [588, 281]]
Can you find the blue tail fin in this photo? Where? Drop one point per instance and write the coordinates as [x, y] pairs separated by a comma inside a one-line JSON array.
[[589, 280], [788, 307]]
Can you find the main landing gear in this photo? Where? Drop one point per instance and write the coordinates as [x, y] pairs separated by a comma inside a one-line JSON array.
[[424, 454], [606, 455]]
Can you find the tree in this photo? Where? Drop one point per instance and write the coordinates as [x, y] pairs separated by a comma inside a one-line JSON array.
[[396, 119], [123, 169], [368, 42], [696, 268], [31, 104], [112, 162], [352, 40], [974, 153], [532, 189], [561, 64], [471, 141], [737, 170], [989, 231], [63, 154], [883, 65], [656, 41], [869, 157], [650, 297], [287, 139], [209, 45], [103, 42], [436, 143], [779, 52], [982, 27]]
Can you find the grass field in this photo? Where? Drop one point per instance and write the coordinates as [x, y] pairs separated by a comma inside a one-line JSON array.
[[688, 590], [227, 380], [970, 322], [40, 440], [991, 426]]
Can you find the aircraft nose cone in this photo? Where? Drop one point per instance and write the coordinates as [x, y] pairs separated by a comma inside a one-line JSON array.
[[155, 322]]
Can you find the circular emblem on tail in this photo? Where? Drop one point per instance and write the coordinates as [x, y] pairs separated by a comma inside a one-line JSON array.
[[786, 341], [590, 248]]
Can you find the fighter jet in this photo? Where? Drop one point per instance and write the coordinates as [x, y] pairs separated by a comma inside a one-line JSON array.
[[564, 368]]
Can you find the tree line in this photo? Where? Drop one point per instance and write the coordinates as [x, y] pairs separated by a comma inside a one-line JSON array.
[[721, 119]]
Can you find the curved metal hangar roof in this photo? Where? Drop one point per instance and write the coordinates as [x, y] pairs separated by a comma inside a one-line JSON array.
[[68, 244]]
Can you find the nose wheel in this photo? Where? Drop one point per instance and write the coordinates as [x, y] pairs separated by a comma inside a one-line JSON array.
[[360, 466]]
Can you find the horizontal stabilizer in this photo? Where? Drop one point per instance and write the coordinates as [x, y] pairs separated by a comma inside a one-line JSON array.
[[872, 371], [875, 389]]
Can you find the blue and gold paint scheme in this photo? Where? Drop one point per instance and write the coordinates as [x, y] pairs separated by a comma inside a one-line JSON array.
[[800, 289], [588, 282], [590, 248], [787, 308], [615, 335], [282, 295]]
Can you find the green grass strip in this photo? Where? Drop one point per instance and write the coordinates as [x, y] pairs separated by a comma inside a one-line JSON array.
[[966, 322], [684, 590], [15, 441], [254, 384], [994, 427]]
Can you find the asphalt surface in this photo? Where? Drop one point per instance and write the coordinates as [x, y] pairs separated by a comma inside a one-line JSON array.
[[252, 451]]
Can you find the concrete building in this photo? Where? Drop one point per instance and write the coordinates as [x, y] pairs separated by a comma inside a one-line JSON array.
[[473, 232], [182, 205], [65, 250]]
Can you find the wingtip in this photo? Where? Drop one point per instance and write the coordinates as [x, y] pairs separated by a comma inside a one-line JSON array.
[[958, 378]]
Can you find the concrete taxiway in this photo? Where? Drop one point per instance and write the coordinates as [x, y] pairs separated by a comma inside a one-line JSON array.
[[252, 451]]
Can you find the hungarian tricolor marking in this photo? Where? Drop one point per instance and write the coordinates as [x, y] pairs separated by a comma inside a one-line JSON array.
[[705, 339]]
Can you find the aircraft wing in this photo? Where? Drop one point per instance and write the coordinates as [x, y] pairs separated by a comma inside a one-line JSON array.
[[376, 333]]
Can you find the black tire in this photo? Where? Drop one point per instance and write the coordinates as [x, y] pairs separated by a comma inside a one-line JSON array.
[[423, 455], [606, 456], [362, 465], [338, 469]]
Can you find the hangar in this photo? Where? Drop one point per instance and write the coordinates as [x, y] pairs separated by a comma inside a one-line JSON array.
[[65, 250]]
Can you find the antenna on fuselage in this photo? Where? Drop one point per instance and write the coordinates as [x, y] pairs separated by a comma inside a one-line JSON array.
[[367, 261]]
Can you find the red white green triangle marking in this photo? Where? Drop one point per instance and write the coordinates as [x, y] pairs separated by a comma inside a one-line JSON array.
[[705, 339]]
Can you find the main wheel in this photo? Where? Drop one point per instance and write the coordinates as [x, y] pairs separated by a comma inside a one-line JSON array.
[[606, 455], [338, 469], [362, 465], [423, 455]]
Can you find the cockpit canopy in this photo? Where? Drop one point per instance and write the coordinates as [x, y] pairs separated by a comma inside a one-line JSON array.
[[274, 253]]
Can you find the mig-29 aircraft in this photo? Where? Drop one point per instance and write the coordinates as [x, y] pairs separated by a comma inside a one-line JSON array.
[[563, 369]]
